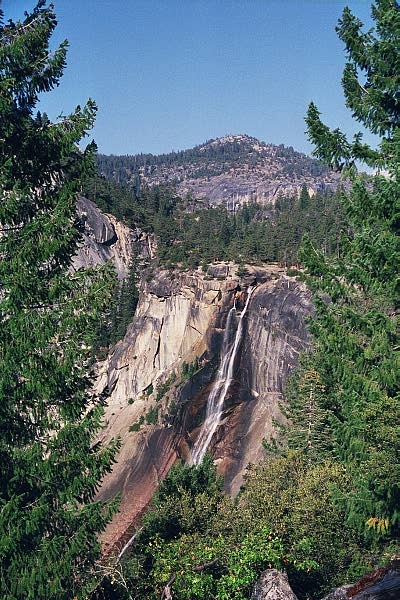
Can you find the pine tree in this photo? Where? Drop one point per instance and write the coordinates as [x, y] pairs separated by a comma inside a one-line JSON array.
[[50, 467], [355, 331], [126, 302]]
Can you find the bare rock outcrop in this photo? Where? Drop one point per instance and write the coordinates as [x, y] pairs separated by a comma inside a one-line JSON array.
[[105, 238], [234, 170], [273, 585], [174, 324], [381, 584], [339, 594]]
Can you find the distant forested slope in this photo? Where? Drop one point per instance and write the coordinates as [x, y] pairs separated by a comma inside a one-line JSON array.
[[210, 159], [190, 233]]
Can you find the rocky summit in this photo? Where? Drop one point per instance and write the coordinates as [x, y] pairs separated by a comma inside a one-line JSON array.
[[230, 170]]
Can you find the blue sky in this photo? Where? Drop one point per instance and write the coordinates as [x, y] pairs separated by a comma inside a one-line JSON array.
[[170, 74]]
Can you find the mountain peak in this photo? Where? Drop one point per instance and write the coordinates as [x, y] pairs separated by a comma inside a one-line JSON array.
[[233, 168], [241, 139]]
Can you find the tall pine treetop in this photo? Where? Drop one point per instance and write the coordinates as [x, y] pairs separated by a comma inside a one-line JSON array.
[[371, 85]]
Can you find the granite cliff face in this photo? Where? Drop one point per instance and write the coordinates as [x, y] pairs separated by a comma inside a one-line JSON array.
[[159, 377], [275, 334]]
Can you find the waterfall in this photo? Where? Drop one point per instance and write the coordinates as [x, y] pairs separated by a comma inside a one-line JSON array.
[[216, 399]]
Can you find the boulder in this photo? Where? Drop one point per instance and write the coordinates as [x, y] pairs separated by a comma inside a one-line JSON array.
[[338, 594], [273, 585]]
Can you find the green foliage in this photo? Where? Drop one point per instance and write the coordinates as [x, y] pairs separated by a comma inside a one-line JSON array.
[[371, 84], [152, 416], [296, 500], [175, 544], [196, 480], [198, 543], [252, 234], [134, 427], [203, 566], [125, 304], [312, 433], [189, 235], [164, 387], [120, 312], [50, 468], [184, 502], [136, 208], [242, 271], [188, 370]]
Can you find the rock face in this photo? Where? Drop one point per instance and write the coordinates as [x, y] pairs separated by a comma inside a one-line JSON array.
[[338, 594], [382, 584], [273, 585], [274, 336], [157, 409], [105, 238], [174, 323]]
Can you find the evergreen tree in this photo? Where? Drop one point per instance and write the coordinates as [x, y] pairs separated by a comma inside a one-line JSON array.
[[49, 465], [356, 341], [126, 303]]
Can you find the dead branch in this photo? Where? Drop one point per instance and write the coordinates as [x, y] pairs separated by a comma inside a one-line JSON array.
[[166, 593], [203, 566]]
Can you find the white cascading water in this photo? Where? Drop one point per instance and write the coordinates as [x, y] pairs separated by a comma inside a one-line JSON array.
[[216, 399]]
